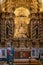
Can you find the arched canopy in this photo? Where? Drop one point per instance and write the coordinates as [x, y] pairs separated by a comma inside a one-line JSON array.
[[21, 11]]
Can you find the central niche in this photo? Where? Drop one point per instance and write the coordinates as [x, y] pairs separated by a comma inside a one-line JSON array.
[[21, 22]]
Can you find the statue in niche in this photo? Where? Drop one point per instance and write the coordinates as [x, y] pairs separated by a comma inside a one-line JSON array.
[[21, 30]]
